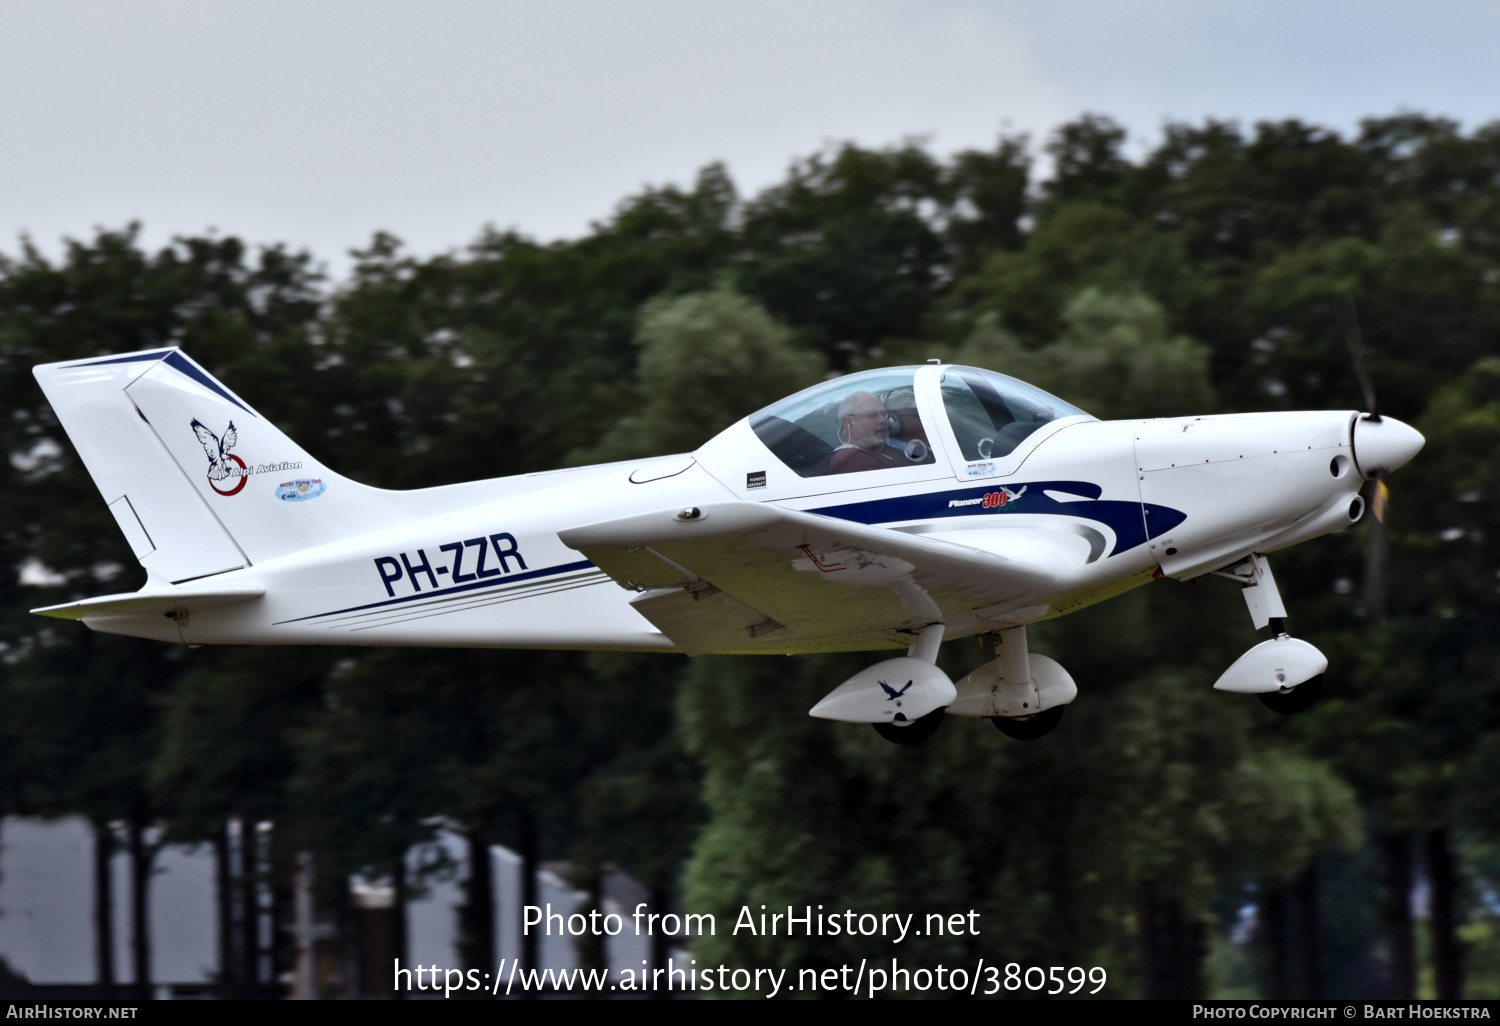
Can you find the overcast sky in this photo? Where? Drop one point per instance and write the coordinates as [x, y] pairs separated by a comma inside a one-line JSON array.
[[316, 122]]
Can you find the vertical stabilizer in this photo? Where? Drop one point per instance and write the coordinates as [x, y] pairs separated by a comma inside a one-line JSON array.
[[170, 528], [197, 480]]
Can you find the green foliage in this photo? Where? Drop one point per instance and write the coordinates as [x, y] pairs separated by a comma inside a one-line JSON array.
[[1078, 245], [1419, 727], [988, 196], [847, 270], [1230, 268], [1087, 162], [227, 729], [1114, 359], [639, 806], [706, 360], [1157, 763]]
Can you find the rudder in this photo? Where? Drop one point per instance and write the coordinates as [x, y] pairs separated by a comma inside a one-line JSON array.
[[198, 481]]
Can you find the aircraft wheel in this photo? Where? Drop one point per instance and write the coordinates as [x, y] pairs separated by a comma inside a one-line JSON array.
[[1032, 727], [915, 732], [1299, 699]]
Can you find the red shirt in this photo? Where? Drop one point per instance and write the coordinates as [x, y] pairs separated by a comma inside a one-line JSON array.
[[851, 458]]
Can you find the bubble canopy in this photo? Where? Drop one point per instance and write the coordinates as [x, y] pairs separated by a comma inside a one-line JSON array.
[[992, 413], [869, 420]]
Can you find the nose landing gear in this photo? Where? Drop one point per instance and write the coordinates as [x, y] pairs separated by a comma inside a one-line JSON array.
[[1298, 699], [1285, 672]]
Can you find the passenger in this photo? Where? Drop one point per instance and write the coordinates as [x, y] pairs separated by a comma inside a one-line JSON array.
[[908, 436], [863, 430]]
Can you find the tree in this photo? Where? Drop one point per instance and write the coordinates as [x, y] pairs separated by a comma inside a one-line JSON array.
[[969, 820], [706, 360], [843, 252], [1228, 268], [1115, 359], [85, 710]]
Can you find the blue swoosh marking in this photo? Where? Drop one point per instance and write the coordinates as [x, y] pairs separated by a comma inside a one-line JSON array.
[[155, 354], [1123, 517], [173, 358], [550, 571], [181, 363]]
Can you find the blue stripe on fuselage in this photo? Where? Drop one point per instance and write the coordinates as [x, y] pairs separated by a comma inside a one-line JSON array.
[[1125, 518], [551, 571]]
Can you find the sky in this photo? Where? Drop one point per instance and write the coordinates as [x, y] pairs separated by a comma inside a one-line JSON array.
[[315, 123]]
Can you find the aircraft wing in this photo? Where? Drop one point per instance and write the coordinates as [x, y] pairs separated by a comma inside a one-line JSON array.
[[747, 577]]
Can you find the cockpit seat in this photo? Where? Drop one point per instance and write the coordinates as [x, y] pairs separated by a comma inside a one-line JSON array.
[[797, 447]]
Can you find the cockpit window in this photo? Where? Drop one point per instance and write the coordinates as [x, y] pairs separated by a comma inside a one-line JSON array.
[[991, 413], [865, 421]]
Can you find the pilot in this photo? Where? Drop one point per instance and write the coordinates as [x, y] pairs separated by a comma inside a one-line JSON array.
[[906, 433], [864, 431]]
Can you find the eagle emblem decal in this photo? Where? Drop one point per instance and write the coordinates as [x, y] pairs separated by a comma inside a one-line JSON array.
[[892, 693], [227, 473]]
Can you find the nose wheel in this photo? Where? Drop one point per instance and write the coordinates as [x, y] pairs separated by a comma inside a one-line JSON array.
[[1299, 699], [1031, 727]]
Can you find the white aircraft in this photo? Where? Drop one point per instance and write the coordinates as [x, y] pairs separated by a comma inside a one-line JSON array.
[[885, 510]]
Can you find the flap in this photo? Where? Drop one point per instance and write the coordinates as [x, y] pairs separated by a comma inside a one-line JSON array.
[[140, 603], [796, 582]]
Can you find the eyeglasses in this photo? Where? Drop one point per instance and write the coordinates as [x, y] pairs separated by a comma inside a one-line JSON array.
[[865, 416]]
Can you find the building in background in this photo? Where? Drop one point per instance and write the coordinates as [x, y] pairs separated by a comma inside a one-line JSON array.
[[48, 939]]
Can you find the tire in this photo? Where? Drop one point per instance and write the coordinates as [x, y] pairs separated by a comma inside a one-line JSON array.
[[915, 732], [1032, 727], [1299, 699]]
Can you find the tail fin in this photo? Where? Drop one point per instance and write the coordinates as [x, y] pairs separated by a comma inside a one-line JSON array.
[[199, 482]]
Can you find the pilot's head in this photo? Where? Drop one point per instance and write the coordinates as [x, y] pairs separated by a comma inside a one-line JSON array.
[[862, 421]]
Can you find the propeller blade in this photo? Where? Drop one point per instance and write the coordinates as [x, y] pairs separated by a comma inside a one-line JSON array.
[[1377, 551], [1354, 339]]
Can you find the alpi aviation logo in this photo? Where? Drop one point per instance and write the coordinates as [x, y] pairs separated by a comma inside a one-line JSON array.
[[227, 473]]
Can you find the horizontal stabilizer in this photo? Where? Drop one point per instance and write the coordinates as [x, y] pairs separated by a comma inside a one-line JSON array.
[[144, 603]]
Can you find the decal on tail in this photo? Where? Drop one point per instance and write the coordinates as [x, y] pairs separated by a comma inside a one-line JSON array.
[[191, 500]]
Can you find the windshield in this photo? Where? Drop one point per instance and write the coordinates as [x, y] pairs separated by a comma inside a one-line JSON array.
[[860, 422], [991, 413]]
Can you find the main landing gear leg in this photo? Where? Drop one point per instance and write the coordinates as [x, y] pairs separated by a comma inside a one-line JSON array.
[[1013, 660], [1022, 694], [913, 732]]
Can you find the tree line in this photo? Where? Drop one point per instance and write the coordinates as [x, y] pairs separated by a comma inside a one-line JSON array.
[[1186, 840]]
